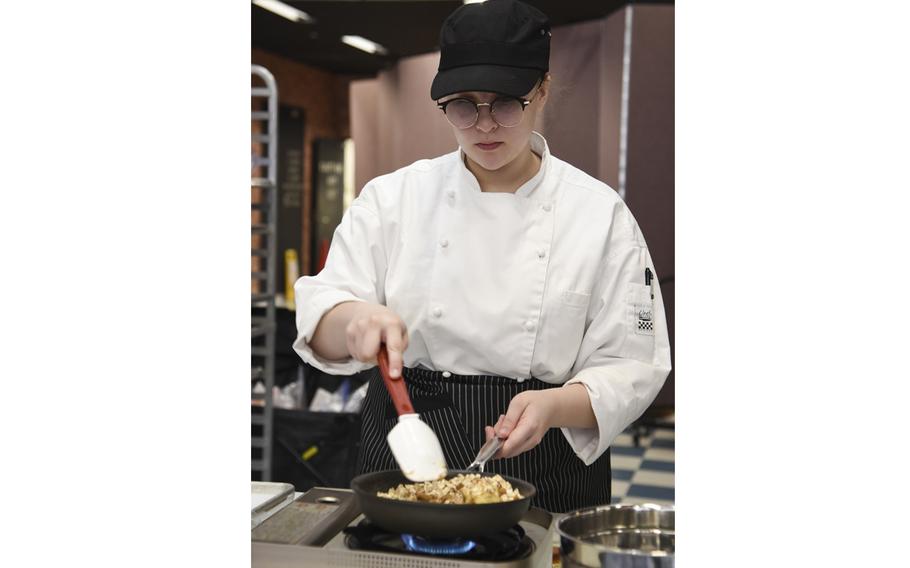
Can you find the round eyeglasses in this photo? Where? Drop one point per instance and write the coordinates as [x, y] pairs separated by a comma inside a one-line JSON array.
[[505, 111]]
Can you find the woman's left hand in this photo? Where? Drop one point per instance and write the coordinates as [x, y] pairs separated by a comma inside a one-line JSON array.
[[524, 424], [531, 413]]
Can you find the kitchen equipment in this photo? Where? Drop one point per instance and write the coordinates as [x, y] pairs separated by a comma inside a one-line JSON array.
[[614, 536], [265, 496], [486, 452], [324, 527], [414, 444], [437, 520], [264, 227]]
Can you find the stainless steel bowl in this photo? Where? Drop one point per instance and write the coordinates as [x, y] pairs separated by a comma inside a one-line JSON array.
[[618, 536]]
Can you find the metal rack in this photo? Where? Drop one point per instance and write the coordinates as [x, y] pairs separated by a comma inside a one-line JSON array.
[[263, 274]]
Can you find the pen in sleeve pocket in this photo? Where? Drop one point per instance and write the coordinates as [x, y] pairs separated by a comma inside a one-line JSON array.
[[648, 276]]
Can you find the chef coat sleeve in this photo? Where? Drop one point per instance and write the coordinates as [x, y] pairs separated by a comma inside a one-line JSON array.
[[624, 357], [354, 271]]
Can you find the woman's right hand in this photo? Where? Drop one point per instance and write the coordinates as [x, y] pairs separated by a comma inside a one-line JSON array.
[[371, 325]]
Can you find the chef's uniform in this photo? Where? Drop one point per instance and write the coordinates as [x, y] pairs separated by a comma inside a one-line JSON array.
[[500, 293]]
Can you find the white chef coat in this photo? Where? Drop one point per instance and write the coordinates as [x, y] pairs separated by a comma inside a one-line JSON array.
[[548, 282]]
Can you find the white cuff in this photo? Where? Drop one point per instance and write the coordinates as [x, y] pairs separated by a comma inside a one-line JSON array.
[[309, 314], [607, 402]]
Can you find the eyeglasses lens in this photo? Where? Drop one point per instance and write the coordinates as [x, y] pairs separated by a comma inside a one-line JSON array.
[[461, 113], [507, 112]]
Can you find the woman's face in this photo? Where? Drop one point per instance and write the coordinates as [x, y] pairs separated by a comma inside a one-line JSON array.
[[490, 145]]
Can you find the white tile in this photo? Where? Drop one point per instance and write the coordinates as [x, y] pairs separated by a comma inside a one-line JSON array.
[[662, 454], [622, 440], [655, 478], [619, 488], [660, 434], [630, 463]]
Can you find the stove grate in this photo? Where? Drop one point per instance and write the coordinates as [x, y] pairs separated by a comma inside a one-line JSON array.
[[511, 544]]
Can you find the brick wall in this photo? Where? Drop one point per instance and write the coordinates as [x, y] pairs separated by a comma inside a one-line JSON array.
[[324, 98]]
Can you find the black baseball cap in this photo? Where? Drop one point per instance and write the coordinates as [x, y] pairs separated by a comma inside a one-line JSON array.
[[499, 46]]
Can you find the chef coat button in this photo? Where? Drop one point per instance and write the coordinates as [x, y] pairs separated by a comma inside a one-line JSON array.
[[437, 312], [541, 253], [444, 243], [546, 207], [529, 325], [446, 374], [450, 193]]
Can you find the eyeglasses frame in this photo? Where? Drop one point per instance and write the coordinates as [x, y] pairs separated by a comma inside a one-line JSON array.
[[524, 103]]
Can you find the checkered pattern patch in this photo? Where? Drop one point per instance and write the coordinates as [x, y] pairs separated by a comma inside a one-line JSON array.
[[644, 320], [644, 474]]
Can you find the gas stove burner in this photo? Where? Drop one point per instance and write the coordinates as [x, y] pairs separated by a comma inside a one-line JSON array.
[[438, 547], [511, 544]]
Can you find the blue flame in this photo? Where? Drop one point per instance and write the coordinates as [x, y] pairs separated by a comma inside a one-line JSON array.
[[441, 547]]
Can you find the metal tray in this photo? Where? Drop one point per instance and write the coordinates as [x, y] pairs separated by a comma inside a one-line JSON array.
[[267, 498]]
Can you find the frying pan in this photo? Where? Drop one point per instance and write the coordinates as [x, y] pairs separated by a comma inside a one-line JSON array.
[[437, 520]]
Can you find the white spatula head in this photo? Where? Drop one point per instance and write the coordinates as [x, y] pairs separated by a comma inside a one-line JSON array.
[[416, 449]]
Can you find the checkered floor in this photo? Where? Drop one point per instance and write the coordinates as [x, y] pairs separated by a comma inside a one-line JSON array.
[[644, 474]]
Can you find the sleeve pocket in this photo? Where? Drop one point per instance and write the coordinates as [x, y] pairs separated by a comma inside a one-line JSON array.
[[639, 319]]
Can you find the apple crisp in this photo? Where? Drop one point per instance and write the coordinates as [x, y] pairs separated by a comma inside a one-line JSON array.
[[462, 489]]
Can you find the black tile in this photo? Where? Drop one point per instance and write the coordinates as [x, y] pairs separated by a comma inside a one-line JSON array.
[[622, 474], [651, 492], [657, 465], [627, 451]]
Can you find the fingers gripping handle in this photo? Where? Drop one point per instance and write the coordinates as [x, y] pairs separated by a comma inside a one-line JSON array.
[[396, 387]]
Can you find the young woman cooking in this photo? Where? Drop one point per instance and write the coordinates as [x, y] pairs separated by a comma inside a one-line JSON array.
[[514, 293]]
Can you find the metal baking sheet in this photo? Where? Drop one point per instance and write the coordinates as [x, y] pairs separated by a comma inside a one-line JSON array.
[[266, 498]]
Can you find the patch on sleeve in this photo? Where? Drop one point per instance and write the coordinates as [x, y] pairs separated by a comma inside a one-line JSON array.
[[644, 319]]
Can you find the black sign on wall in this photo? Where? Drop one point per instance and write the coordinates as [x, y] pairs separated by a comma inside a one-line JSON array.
[[290, 185], [328, 196]]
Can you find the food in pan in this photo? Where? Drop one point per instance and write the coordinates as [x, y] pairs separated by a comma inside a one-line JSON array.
[[463, 489]]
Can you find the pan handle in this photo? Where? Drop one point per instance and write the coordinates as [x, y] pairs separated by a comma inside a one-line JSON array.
[[396, 387]]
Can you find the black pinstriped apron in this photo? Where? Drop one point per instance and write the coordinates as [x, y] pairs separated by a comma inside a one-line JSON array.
[[457, 408]]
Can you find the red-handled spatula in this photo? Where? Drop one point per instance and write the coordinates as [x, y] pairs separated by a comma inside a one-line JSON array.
[[414, 444]]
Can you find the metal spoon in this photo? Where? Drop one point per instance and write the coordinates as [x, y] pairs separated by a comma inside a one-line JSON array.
[[486, 452]]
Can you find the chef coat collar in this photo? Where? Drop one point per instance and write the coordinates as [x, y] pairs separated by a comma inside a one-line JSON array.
[[538, 146]]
